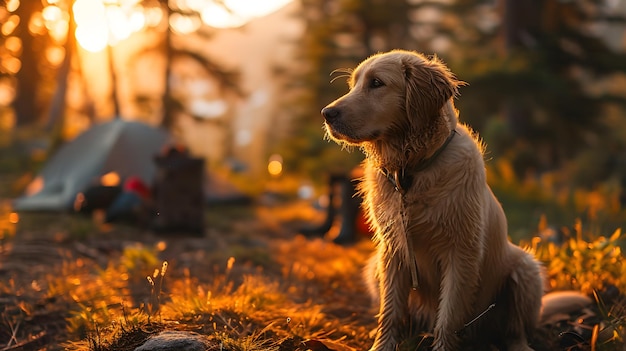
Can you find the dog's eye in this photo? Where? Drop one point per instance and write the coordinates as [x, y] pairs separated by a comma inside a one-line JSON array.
[[376, 83]]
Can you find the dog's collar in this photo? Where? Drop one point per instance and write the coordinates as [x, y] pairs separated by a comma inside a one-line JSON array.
[[401, 180]]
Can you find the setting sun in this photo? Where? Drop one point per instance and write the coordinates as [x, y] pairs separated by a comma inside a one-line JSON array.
[[100, 23]]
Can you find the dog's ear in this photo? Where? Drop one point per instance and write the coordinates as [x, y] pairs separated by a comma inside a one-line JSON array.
[[429, 85]]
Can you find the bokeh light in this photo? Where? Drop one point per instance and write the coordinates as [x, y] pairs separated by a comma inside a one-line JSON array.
[[92, 38], [118, 24], [219, 17], [106, 22], [91, 26], [7, 92], [12, 5], [36, 24], [9, 26], [153, 16], [11, 64], [183, 24], [275, 165], [14, 218], [35, 186], [13, 44], [236, 13], [55, 55], [110, 179]]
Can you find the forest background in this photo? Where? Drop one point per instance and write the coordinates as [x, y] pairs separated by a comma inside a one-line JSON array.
[[547, 89]]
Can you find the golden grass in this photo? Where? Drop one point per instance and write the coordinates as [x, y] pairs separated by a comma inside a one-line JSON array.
[[247, 287]]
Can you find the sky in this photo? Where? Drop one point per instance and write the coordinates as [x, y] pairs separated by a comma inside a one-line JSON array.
[[99, 24]]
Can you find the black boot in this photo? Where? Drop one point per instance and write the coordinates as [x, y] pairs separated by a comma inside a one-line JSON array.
[[349, 211], [331, 212]]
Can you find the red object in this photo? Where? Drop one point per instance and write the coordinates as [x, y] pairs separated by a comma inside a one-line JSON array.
[[137, 186], [361, 224]]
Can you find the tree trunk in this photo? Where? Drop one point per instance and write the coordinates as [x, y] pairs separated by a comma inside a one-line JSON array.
[[28, 78], [113, 76], [168, 110], [58, 103]]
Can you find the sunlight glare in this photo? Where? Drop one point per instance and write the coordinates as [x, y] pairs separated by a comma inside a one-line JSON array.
[[55, 55], [12, 5], [183, 24], [208, 108], [238, 12], [153, 16], [9, 26], [36, 25], [250, 9], [218, 17], [91, 26], [56, 21], [7, 92], [118, 24], [137, 21], [11, 64], [196, 5], [13, 44], [87, 11], [58, 30], [92, 39], [52, 15]]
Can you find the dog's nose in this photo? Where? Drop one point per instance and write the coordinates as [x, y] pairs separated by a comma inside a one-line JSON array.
[[330, 113]]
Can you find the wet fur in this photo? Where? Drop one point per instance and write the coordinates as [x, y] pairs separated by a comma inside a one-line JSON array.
[[448, 215]]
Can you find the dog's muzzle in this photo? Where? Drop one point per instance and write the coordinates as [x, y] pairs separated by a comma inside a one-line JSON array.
[[331, 113]]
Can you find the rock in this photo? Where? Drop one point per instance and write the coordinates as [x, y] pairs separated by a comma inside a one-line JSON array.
[[556, 304], [175, 341]]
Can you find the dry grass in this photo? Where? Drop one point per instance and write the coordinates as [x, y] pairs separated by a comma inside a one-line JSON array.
[[244, 286], [249, 284]]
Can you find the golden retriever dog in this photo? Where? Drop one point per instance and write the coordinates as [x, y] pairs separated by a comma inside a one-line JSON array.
[[443, 260]]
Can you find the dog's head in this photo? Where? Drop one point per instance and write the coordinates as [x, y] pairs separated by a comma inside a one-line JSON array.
[[390, 93]]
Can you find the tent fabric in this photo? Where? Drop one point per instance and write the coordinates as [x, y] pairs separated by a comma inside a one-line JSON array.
[[125, 147]]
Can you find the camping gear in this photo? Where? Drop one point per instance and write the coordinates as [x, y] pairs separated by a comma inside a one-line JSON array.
[[97, 197], [178, 194], [132, 204], [352, 219], [124, 147]]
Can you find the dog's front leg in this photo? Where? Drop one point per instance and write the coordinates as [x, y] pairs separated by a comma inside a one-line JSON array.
[[459, 284], [394, 286]]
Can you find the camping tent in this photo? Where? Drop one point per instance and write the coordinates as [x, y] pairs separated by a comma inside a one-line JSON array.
[[126, 148]]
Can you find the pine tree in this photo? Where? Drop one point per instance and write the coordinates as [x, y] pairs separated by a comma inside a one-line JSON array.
[[339, 34], [531, 85]]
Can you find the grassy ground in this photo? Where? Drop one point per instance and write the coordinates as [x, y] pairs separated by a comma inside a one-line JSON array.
[[249, 283], [69, 283]]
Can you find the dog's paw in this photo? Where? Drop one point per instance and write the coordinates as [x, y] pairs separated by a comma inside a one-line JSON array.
[[383, 348], [443, 343], [521, 346], [378, 346]]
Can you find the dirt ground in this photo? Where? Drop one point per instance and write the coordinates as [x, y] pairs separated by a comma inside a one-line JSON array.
[[249, 281], [51, 255]]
